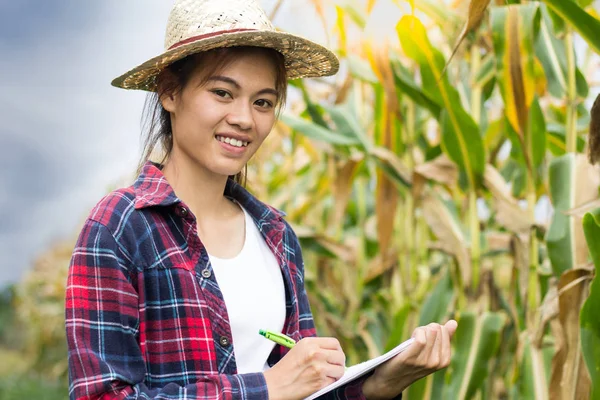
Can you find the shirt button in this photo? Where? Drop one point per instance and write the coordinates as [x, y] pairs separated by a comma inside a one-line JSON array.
[[224, 341], [206, 273], [183, 211]]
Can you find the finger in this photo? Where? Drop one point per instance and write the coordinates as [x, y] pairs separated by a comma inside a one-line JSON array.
[[432, 334], [328, 343], [326, 381], [451, 327], [335, 357], [445, 350], [414, 350], [420, 337], [435, 336], [335, 371]]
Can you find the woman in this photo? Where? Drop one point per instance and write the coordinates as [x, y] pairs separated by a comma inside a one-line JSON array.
[[172, 277]]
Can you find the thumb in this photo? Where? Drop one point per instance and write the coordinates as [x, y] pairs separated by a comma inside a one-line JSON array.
[[451, 327]]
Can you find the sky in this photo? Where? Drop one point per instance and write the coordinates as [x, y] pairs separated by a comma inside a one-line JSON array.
[[66, 136]]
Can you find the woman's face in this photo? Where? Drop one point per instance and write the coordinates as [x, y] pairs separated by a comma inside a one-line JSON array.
[[218, 126]]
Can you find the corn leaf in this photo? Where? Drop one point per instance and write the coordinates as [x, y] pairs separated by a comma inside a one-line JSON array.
[[553, 56], [439, 12], [346, 124], [560, 237], [514, 29], [570, 378], [449, 232], [572, 182], [387, 135], [317, 132], [476, 340], [586, 25], [532, 382], [361, 69], [474, 18], [407, 86], [434, 309], [461, 139], [486, 72], [508, 212], [590, 323]]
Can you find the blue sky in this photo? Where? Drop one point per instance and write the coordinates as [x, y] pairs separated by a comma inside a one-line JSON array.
[[67, 136]]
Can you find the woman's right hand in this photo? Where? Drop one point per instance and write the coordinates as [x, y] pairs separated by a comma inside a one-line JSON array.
[[309, 366]]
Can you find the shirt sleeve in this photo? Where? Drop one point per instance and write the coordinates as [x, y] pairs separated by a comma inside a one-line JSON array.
[[105, 360]]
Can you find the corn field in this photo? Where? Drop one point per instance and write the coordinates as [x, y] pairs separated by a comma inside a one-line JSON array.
[[441, 174]]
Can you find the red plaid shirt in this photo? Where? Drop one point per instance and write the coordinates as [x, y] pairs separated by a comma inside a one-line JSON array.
[[144, 315]]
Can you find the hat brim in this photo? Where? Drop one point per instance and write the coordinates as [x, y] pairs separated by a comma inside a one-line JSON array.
[[303, 58]]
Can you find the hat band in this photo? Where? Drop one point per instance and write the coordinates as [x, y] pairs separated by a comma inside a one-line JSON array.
[[206, 36]]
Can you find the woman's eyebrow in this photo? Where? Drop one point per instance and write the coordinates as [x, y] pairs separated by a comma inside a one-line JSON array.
[[226, 80], [234, 83]]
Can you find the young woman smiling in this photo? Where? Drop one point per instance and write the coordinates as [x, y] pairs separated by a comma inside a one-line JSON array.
[[172, 277]]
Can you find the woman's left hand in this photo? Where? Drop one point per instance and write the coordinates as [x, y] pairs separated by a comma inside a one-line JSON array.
[[429, 352]]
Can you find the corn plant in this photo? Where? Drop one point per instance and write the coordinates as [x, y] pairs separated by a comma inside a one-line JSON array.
[[415, 181]]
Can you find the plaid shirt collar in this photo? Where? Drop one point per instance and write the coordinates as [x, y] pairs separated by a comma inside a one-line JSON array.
[[152, 189]]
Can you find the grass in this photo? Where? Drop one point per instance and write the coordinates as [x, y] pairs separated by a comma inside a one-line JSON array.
[[15, 381], [31, 387]]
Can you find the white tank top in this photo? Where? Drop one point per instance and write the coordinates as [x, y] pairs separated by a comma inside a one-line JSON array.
[[252, 286]]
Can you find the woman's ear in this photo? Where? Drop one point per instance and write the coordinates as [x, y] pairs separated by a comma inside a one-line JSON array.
[[168, 101], [166, 94]]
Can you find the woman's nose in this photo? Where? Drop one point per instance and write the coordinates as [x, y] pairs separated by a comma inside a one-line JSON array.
[[241, 116]]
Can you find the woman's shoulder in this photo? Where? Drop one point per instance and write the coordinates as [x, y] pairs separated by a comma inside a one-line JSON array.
[[115, 207]]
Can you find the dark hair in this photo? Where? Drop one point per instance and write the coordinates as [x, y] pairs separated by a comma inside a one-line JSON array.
[[156, 121]]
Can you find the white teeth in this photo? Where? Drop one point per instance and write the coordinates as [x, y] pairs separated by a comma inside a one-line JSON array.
[[232, 142]]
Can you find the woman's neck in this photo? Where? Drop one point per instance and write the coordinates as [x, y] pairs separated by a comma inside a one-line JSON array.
[[201, 190]]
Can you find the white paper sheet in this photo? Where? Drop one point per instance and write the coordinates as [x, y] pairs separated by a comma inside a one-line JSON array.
[[359, 370]]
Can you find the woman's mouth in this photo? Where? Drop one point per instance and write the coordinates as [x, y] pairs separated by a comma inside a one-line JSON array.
[[231, 141]]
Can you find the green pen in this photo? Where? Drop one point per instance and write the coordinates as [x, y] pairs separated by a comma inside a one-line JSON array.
[[278, 338]]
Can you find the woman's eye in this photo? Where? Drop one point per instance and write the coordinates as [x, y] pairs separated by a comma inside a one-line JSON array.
[[264, 103], [221, 93]]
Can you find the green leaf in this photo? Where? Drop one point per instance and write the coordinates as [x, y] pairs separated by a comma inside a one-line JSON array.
[[361, 69], [439, 12], [532, 382], [313, 109], [552, 54], [486, 72], [461, 137], [586, 25], [397, 334], [356, 16], [584, 3], [536, 134], [560, 238], [316, 132], [347, 125], [590, 323], [476, 343], [407, 86], [513, 32], [556, 140], [435, 307]]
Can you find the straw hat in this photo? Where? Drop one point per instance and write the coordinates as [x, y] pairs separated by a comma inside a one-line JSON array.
[[199, 25]]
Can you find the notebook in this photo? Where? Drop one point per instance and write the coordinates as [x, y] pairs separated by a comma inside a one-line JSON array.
[[359, 370]]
